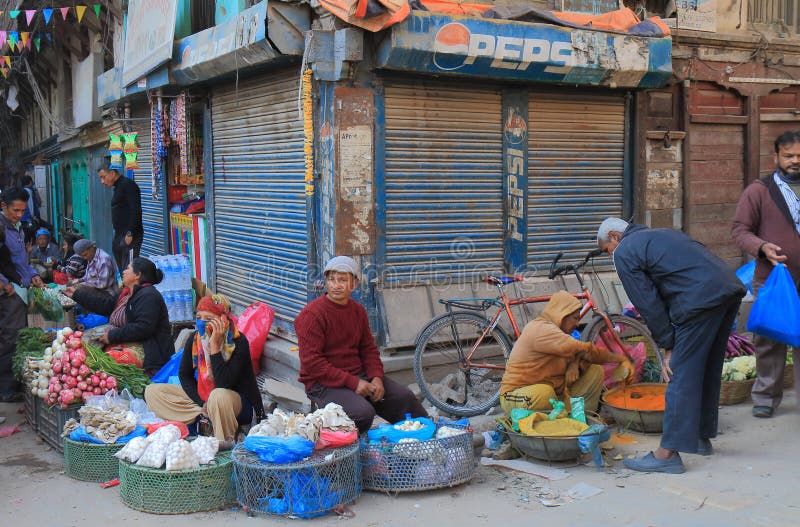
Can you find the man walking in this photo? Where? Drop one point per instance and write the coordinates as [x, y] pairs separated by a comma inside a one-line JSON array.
[[766, 225], [126, 215], [689, 299], [14, 270]]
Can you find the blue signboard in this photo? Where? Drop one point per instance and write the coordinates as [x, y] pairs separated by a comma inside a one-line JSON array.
[[515, 178], [459, 45]]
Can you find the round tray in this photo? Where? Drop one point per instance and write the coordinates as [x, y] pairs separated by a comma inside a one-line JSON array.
[[162, 491], [91, 461], [562, 448], [416, 466], [645, 421], [305, 489]]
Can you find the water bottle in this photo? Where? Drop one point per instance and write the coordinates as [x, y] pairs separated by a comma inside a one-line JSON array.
[[169, 298], [188, 308], [186, 273]]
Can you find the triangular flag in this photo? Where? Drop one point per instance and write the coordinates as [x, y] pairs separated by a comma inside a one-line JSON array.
[[5, 72], [7, 60], [37, 41], [96, 8], [13, 38], [3, 36], [47, 14], [29, 15], [25, 38], [14, 13], [64, 12], [80, 10], [1, 13]]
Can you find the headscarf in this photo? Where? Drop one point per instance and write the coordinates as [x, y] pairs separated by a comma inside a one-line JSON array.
[[201, 360]]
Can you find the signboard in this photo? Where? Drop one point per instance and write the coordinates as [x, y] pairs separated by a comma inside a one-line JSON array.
[[700, 15], [148, 38]]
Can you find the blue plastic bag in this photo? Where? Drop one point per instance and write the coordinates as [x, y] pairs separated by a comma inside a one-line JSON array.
[[745, 274], [279, 449], [91, 320], [80, 434], [392, 435], [776, 311], [302, 493], [590, 440], [168, 374]]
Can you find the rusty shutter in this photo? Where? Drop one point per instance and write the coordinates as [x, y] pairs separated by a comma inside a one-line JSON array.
[[260, 218], [154, 210], [576, 166], [443, 180]]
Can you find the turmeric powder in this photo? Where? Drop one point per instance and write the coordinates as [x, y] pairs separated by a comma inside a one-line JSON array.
[[649, 397]]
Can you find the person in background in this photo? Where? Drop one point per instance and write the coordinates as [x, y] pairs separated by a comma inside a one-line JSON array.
[[101, 273], [547, 363], [766, 225], [14, 270], [33, 203], [689, 298], [138, 313], [70, 262], [126, 215], [216, 374], [44, 255], [339, 361]]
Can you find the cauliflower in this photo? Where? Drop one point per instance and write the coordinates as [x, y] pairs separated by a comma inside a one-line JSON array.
[[739, 368], [738, 376]]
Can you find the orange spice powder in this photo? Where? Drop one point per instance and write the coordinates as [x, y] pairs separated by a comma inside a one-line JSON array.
[[648, 397]]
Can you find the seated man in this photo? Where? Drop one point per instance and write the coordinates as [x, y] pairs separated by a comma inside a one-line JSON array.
[[546, 362], [101, 271], [44, 255], [339, 361]]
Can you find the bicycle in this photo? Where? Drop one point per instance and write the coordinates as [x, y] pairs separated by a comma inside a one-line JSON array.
[[478, 347]]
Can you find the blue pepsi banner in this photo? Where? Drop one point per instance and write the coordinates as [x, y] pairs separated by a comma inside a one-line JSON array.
[[459, 45]]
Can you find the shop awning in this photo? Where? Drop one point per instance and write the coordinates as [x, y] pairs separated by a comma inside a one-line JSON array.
[[459, 45]]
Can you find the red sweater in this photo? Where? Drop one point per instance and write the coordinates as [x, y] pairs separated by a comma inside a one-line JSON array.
[[336, 344]]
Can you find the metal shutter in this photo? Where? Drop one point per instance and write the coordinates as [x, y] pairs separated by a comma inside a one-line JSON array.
[[576, 162], [443, 176], [261, 225]]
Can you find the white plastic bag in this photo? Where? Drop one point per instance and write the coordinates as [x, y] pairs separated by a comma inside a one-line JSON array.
[[205, 448], [181, 456], [154, 455], [165, 434], [133, 450]]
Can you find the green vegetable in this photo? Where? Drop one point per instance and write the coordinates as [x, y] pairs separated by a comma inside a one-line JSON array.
[[46, 303], [31, 342], [128, 376]]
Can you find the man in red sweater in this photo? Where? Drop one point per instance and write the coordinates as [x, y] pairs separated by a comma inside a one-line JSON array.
[[339, 361]]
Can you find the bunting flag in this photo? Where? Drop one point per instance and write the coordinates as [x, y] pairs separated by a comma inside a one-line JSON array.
[[13, 38], [37, 41], [3, 36], [1, 13], [47, 14], [25, 38], [64, 12], [96, 8], [29, 13], [80, 10], [5, 72], [7, 60], [14, 13]]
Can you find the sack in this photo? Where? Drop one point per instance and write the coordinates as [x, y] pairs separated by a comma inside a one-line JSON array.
[[333, 439], [168, 374], [270, 449], [776, 311], [255, 323]]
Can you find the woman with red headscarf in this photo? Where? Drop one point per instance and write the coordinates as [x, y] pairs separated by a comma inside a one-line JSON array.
[[217, 379]]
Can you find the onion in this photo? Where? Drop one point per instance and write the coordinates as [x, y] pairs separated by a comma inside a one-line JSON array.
[[96, 390], [82, 386], [66, 397], [73, 372], [67, 331], [94, 380], [103, 375], [57, 366]]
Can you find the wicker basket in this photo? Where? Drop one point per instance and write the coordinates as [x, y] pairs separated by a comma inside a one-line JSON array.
[[788, 376], [416, 466], [91, 461], [735, 392], [160, 491]]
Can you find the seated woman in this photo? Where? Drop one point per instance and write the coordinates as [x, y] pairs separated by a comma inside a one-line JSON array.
[[70, 262], [137, 314], [217, 378], [546, 362]]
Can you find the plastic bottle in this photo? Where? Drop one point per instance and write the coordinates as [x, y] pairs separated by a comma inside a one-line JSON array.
[[188, 307], [169, 298]]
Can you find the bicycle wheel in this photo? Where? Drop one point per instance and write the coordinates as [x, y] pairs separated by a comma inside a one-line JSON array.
[[630, 331], [443, 373]]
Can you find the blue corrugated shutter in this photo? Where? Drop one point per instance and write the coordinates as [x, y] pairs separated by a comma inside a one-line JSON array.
[[261, 226], [156, 240], [576, 161], [443, 178]]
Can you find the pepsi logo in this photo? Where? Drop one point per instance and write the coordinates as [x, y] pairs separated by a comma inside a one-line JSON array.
[[451, 46]]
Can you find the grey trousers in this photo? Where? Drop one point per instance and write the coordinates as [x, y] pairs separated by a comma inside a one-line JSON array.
[[770, 365], [13, 317]]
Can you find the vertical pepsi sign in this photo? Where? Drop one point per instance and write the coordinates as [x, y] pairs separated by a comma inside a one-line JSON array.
[[515, 178]]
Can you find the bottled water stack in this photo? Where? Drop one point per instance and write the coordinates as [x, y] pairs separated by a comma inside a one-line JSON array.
[[176, 287]]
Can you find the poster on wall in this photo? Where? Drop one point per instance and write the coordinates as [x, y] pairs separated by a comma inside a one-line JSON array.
[[149, 37], [700, 15]]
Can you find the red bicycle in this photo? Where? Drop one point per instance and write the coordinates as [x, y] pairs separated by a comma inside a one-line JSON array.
[[461, 355]]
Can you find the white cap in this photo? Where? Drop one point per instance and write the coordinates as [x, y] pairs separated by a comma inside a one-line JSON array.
[[342, 264]]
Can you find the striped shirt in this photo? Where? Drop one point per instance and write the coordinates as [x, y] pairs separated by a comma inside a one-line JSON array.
[[792, 201]]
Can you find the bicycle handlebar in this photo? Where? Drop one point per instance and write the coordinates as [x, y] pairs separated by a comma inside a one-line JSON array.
[[557, 271]]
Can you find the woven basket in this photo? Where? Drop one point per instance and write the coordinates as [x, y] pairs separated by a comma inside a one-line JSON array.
[[735, 392], [160, 491], [788, 376], [91, 461]]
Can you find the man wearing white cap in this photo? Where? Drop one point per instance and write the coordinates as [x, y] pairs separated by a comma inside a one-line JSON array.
[[339, 361]]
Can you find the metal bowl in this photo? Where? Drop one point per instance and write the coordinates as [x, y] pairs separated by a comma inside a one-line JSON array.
[[645, 421], [562, 448]]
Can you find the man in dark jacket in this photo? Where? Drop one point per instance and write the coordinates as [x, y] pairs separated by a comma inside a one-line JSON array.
[[766, 225], [689, 299], [126, 215]]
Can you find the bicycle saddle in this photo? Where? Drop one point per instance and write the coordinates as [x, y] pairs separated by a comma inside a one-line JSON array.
[[503, 280]]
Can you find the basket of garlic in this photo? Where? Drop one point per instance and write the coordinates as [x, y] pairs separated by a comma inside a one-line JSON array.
[[393, 460]]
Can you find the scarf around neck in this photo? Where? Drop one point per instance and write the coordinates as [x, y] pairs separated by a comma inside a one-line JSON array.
[[201, 359]]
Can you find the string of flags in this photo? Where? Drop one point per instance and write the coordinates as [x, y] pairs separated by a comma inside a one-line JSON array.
[[19, 40]]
